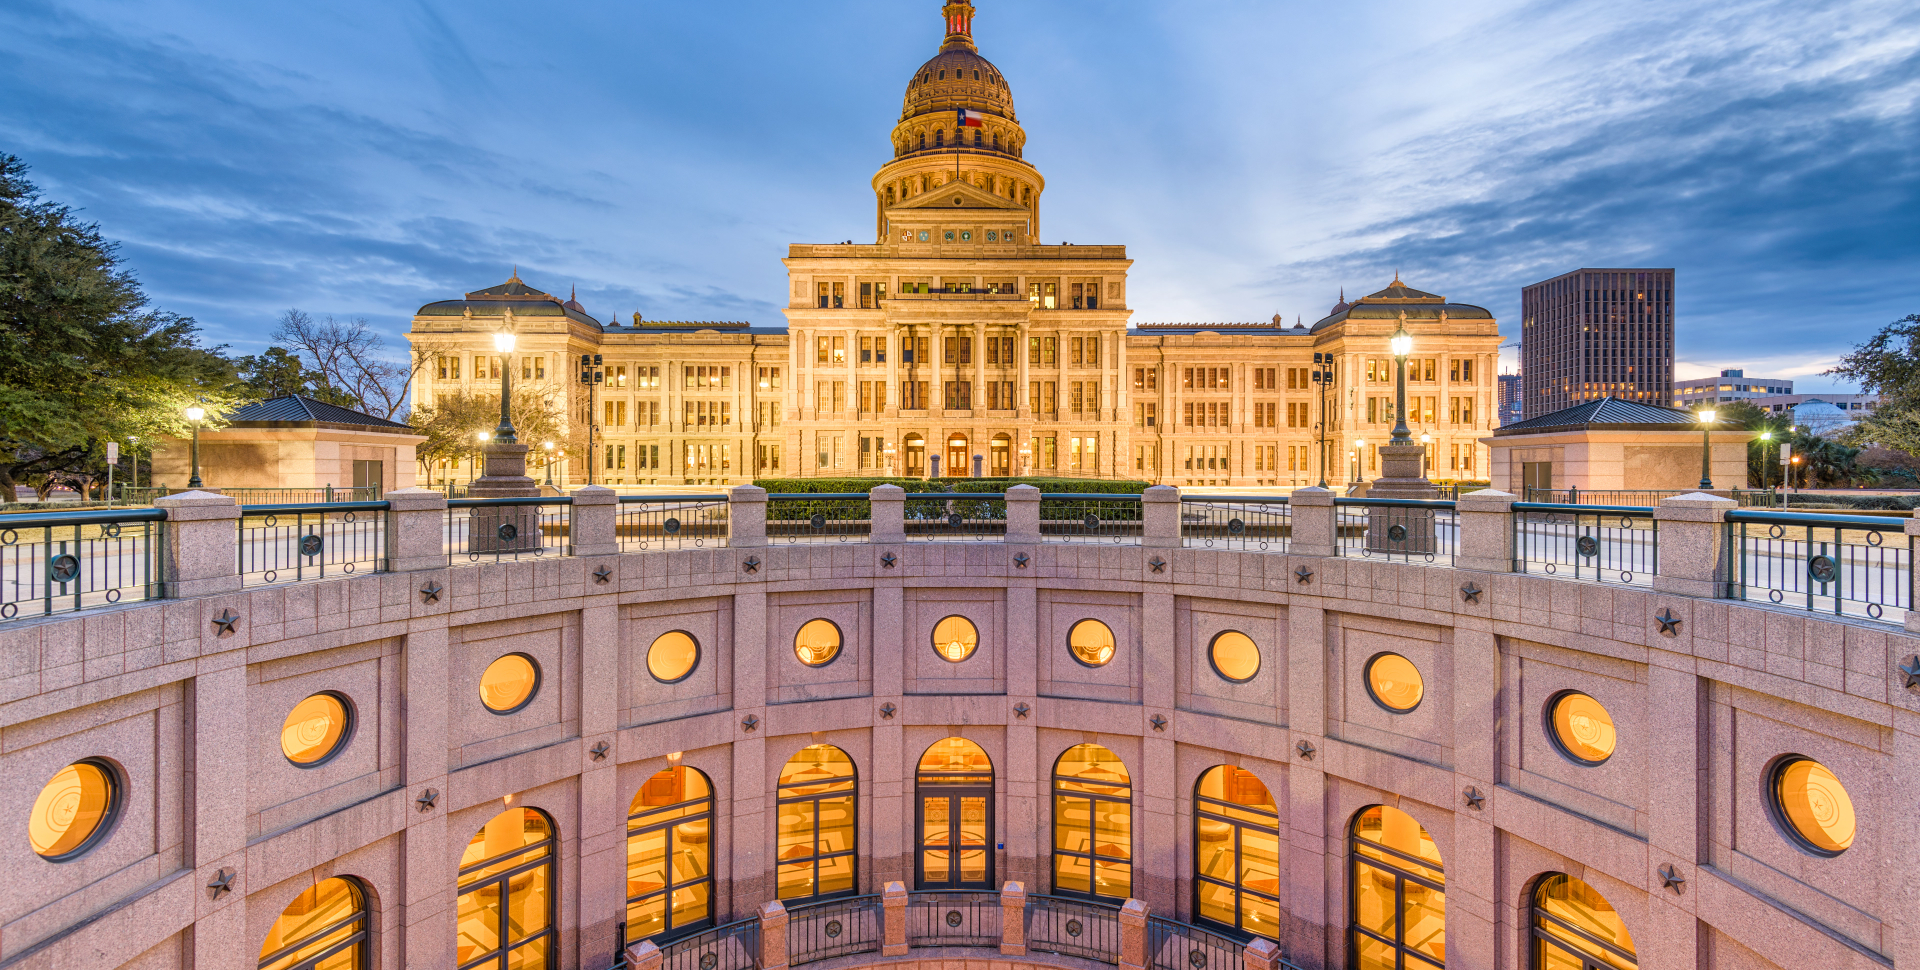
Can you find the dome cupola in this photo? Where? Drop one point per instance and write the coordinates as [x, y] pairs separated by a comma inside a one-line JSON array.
[[958, 97]]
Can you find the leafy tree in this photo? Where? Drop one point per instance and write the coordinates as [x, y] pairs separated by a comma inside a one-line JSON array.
[[453, 423], [1888, 364], [277, 373]]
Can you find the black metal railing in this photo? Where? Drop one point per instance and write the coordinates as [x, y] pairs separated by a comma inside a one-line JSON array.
[[833, 929], [824, 517], [1600, 496], [1601, 543], [1075, 517], [1074, 927], [655, 523], [145, 494], [1396, 530], [58, 562], [1179, 946], [1231, 522], [294, 543], [495, 529], [1846, 565], [954, 516], [735, 946], [953, 919]]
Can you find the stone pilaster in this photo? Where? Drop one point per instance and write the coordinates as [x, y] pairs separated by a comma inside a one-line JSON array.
[[893, 933], [200, 555], [1312, 522], [889, 513], [1133, 935], [416, 530], [1013, 919], [773, 936], [1486, 531], [1692, 535], [746, 516], [593, 522], [1023, 514], [1160, 517]]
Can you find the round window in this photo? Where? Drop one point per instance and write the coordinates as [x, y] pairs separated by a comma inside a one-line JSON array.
[[1394, 682], [955, 639], [1234, 656], [1808, 798], [1580, 727], [817, 643], [673, 656], [1091, 642], [316, 729], [73, 810], [509, 683]]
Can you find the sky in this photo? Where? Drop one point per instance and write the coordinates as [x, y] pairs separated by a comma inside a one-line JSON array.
[[360, 159]]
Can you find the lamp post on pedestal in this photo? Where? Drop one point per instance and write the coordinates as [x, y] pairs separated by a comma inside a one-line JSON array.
[[1322, 379], [196, 414], [1706, 447], [1402, 531]]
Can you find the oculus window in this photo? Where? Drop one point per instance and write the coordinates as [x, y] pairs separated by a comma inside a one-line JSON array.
[[1234, 656], [1581, 728], [672, 657], [509, 683], [1812, 806], [955, 638], [74, 811], [1394, 682], [817, 643], [316, 729], [1091, 643]]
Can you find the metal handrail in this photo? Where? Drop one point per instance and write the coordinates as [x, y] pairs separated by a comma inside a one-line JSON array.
[[1264, 499], [36, 520], [1584, 509], [1778, 517], [1404, 503], [1092, 496], [630, 499], [474, 503], [326, 507]]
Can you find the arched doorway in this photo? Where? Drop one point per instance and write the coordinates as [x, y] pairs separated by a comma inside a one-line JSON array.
[[1236, 852], [953, 790], [1092, 824], [1000, 456], [818, 815], [958, 464], [1575, 928], [504, 918], [324, 927], [1398, 902], [916, 449], [670, 855]]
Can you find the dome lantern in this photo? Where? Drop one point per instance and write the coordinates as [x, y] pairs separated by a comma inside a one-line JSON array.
[[959, 14]]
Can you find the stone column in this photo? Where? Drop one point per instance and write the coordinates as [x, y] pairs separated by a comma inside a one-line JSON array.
[[1023, 514], [889, 504], [1263, 954], [1312, 522], [1692, 531], [1160, 517], [593, 522], [1486, 521], [1013, 919], [416, 530], [773, 936], [893, 935], [199, 556], [1133, 935], [746, 516], [643, 956]]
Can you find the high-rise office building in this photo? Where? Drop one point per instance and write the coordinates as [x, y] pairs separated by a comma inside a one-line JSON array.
[[1596, 333], [1509, 398]]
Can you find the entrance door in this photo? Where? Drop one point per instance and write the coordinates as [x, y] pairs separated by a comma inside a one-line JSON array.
[[1000, 457], [916, 456], [958, 464], [954, 795]]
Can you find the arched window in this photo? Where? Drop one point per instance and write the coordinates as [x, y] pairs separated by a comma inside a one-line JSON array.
[[1398, 906], [505, 912], [1236, 852], [940, 138], [923, 141], [996, 141], [1092, 824], [954, 791], [1574, 928], [324, 927], [816, 854], [670, 855], [976, 138]]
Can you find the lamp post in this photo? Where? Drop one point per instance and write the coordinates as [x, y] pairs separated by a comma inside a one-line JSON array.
[[503, 342], [1766, 438], [1359, 445], [1427, 440], [1323, 378], [1706, 446], [549, 449], [1402, 345], [195, 414], [1026, 458], [473, 460], [593, 374]]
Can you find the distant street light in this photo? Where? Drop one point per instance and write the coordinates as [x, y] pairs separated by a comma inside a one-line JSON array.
[[1706, 446], [1402, 345], [549, 448], [503, 342], [196, 414]]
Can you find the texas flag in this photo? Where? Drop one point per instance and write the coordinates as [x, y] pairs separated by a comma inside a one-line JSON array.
[[972, 119]]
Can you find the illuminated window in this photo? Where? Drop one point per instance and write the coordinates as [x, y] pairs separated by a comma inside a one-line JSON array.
[[1092, 824], [74, 811], [1574, 928], [816, 851], [1581, 728], [670, 855], [1399, 893], [1811, 804], [505, 912], [817, 643], [673, 656], [953, 790], [316, 729], [324, 928], [1234, 656], [955, 638], [1394, 682], [1236, 846], [1091, 643], [509, 683]]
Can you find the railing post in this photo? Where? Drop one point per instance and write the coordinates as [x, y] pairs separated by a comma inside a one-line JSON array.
[[888, 516], [893, 933], [773, 936], [1160, 517], [200, 555], [592, 522], [1263, 954], [1312, 517], [1023, 514], [416, 530], [1133, 935], [1487, 532], [643, 956], [1692, 545], [746, 516], [1013, 919], [1913, 606]]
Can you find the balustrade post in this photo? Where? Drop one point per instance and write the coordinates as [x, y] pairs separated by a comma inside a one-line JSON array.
[[592, 523], [416, 530], [1486, 520], [1263, 954], [200, 555], [746, 516], [889, 515], [1160, 517], [1913, 586], [1133, 935], [893, 932], [643, 956], [1692, 545], [773, 936], [1312, 516], [1023, 514], [1013, 919]]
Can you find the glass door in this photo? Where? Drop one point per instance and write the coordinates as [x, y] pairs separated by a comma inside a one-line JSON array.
[[953, 792]]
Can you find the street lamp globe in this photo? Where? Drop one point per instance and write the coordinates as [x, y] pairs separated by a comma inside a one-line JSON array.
[[196, 413], [1707, 415], [482, 436], [503, 342], [1401, 342], [1706, 446]]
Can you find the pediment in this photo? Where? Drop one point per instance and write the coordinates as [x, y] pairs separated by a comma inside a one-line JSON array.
[[971, 197]]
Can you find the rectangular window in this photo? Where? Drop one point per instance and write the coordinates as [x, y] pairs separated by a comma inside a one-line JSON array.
[[1093, 349], [866, 350], [822, 347], [1373, 413], [1046, 351], [959, 395], [866, 396], [1073, 398], [839, 396], [769, 378], [839, 343], [1466, 371], [866, 296], [1076, 340], [1048, 399], [1006, 352]]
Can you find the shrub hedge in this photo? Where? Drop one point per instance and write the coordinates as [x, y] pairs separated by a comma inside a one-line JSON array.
[[790, 486]]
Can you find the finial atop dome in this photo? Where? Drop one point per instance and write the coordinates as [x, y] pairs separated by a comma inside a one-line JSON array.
[[959, 14], [514, 277]]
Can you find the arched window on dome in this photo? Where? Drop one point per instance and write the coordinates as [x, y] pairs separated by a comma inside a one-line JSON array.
[[976, 138], [889, 195], [923, 141], [940, 138], [996, 141]]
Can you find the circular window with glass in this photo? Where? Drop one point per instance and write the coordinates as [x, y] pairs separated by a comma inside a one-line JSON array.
[[1811, 804], [1394, 682], [509, 683], [1580, 727], [74, 810], [817, 643], [1091, 642], [316, 729], [673, 656], [1234, 656], [955, 639]]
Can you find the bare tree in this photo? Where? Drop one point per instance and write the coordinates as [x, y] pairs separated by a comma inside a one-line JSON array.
[[350, 355]]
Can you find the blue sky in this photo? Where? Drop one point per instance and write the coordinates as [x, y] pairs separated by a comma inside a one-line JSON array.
[[360, 159]]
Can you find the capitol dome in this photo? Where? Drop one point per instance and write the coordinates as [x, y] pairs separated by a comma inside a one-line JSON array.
[[958, 79]]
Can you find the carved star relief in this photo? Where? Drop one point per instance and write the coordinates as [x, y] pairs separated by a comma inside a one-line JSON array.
[[225, 623], [222, 883], [1669, 624], [1471, 593], [1306, 750], [601, 575], [1670, 878], [1475, 799], [1912, 671], [430, 593], [1304, 574]]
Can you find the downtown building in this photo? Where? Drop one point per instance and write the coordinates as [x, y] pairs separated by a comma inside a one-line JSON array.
[[1596, 333]]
